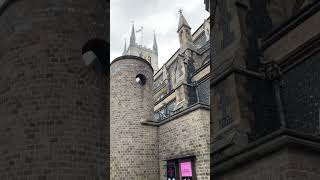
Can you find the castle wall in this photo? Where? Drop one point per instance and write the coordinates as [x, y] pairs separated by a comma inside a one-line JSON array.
[[134, 147], [185, 136], [52, 119]]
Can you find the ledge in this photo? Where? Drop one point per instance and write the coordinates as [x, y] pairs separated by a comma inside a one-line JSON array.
[[172, 91], [264, 146], [181, 156], [164, 97], [301, 54], [229, 70], [126, 57], [201, 68], [290, 24], [178, 114]]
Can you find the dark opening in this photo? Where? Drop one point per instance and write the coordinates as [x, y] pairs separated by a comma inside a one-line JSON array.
[[141, 79], [101, 49]]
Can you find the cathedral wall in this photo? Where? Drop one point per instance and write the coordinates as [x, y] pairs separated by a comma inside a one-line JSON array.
[[186, 136], [53, 119]]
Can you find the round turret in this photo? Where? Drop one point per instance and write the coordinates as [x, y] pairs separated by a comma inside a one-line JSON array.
[[134, 151]]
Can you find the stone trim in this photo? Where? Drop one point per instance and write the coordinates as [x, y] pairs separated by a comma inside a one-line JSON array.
[[301, 54], [186, 156], [172, 91], [165, 96], [200, 69], [159, 88], [264, 146], [203, 79], [126, 57], [290, 24], [178, 114], [217, 78]]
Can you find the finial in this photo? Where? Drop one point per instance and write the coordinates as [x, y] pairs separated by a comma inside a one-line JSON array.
[[180, 11]]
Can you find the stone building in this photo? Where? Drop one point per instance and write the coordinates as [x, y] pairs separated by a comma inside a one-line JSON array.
[[54, 102], [265, 89], [174, 134], [135, 49]]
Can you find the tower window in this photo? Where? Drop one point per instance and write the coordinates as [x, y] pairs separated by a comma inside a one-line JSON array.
[[149, 59], [141, 79], [94, 53]]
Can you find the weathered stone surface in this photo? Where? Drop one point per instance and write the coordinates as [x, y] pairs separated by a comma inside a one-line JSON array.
[[264, 82], [53, 120]]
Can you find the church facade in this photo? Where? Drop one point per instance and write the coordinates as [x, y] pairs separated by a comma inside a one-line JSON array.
[[171, 110]]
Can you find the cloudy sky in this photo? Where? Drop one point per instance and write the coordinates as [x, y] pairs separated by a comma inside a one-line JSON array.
[[159, 15]]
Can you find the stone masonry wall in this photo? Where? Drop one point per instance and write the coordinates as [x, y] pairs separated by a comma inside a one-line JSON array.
[[52, 119], [134, 147], [187, 135]]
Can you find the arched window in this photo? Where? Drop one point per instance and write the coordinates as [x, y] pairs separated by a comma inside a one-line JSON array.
[[95, 53]]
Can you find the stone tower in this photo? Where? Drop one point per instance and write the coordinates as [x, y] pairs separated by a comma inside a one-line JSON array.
[[185, 37], [134, 147], [185, 67], [53, 105], [135, 49]]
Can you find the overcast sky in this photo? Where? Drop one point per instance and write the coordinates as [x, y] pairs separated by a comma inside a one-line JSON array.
[[159, 15]]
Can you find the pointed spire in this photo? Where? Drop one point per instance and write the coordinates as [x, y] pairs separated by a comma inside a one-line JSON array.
[[155, 45], [182, 21], [133, 36], [125, 47]]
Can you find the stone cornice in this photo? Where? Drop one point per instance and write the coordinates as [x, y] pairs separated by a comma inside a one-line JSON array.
[[231, 69], [290, 24], [264, 146]]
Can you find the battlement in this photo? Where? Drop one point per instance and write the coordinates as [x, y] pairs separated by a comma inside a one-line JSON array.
[[151, 55], [146, 48]]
